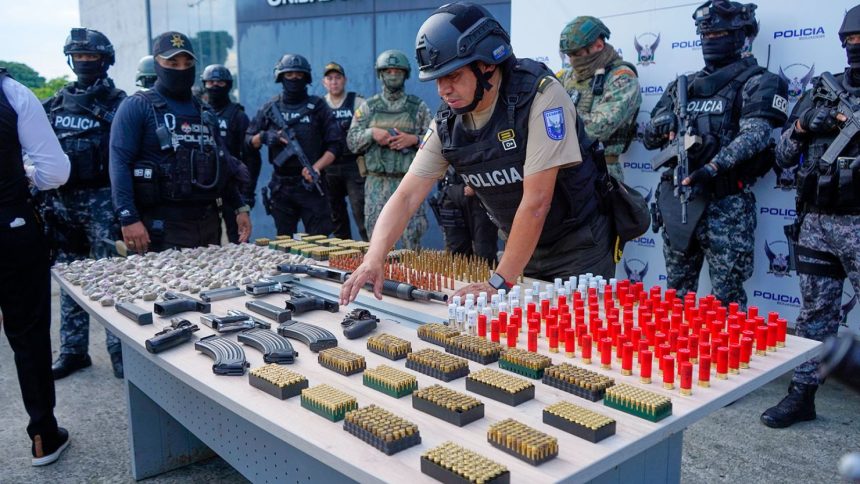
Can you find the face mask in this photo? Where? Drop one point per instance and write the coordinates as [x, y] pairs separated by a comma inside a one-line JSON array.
[[393, 82], [295, 90], [722, 51], [853, 52], [175, 82], [218, 95], [88, 71]]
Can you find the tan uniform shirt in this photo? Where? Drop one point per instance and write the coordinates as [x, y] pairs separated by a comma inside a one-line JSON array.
[[542, 152]]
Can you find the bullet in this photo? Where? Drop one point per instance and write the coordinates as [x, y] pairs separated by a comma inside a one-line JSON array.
[[494, 331], [668, 372], [645, 366], [782, 329], [532, 343], [752, 312], [569, 342], [772, 331], [734, 358], [686, 376], [482, 325], [746, 351], [585, 348], [606, 353], [705, 371], [627, 359], [722, 362], [512, 336], [761, 340], [694, 348]]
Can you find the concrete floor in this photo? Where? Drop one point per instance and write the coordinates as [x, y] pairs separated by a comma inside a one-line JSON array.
[[729, 446]]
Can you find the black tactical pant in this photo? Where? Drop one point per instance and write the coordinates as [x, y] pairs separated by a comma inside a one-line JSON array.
[[182, 227], [472, 232], [344, 181], [25, 301], [291, 202], [585, 249]]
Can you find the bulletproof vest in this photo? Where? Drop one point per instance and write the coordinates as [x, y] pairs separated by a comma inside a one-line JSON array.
[[227, 126], [584, 93], [13, 181], [830, 189], [192, 168], [381, 159], [491, 160], [81, 121], [343, 115], [302, 118]]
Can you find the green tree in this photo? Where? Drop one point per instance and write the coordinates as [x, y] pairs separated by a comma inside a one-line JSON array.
[[24, 74], [211, 46], [50, 87]]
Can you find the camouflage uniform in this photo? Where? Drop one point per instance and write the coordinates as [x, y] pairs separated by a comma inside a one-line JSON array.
[[386, 167], [724, 234], [831, 233], [611, 117]]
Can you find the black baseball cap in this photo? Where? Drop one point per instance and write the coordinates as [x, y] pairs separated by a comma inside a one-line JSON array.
[[171, 43], [333, 66]]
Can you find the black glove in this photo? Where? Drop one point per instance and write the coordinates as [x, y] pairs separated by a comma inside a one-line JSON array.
[[664, 123], [703, 174], [270, 137], [818, 120]]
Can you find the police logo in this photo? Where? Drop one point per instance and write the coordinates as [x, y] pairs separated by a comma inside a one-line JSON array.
[[645, 50], [847, 308], [780, 103], [553, 121], [426, 137], [778, 262], [176, 41], [186, 128], [506, 137], [798, 77], [635, 270]]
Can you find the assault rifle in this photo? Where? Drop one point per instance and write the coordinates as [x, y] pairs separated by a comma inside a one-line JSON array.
[[293, 148], [684, 139], [832, 92]]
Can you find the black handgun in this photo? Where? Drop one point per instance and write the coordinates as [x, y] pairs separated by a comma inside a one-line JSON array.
[[320, 272], [177, 333], [234, 321], [213, 295], [270, 285], [301, 302], [175, 303], [358, 323]]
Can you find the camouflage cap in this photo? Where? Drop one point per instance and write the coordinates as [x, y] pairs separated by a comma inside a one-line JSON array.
[[580, 33]]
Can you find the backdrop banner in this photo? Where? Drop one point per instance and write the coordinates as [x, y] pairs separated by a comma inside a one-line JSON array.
[[659, 37]]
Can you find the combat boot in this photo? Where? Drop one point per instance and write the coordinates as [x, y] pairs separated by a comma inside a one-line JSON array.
[[797, 406], [68, 363], [116, 361]]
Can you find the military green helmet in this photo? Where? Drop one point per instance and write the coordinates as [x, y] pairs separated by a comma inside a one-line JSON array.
[[145, 72], [393, 59], [580, 32]]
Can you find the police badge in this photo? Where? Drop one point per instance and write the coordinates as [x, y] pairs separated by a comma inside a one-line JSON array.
[[553, 120]]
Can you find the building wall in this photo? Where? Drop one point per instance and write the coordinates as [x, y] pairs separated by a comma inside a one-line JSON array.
[[124, 23]]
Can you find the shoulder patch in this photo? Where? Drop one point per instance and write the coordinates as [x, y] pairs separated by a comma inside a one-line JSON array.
[[625, 71], [545, 82], [553, 121], [359, 113], [426, 137]]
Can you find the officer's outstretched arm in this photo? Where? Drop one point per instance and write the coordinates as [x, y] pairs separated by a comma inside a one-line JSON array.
[[389, 227]]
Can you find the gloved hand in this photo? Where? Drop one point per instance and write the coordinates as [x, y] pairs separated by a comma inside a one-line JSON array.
[[701, 175], [663, 124], [818, 120], [270, 137]]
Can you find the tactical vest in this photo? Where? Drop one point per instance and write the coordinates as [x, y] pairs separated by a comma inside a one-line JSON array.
[[344, 115], [830, 189], [583, 94], [382, 160], [227, 128], [301, 118], [192, 168], [82, 124], [13, 180], [715, 106], [491, 160]]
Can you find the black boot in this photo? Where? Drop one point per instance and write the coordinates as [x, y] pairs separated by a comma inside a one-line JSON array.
[[116, 361], [68, 363], [46, 450], [797, 406]]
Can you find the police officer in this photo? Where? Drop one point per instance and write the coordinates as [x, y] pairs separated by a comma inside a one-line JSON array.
[[828, 216], [539, 189], [386, 130], [465, 224], [733, 104], [80, 212], [232, 123], [343, 177], [604, 88], [291, 193], [168, 162], [25, 280], [145, 77]]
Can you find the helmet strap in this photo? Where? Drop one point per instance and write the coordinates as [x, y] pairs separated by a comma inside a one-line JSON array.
[[482, 85]]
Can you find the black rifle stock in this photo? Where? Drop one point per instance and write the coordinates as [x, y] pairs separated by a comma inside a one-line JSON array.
[[293, 148]]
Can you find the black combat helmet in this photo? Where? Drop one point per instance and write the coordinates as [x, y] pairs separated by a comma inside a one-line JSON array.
[[723, 15], [89, 41], [850, 24], [293, 63], [217, 72], [457, 35]]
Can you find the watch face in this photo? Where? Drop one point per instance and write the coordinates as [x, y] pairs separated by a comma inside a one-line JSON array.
[[497, 281]]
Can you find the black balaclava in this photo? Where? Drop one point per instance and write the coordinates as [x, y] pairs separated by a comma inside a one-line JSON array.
[[175, 83], [722, 51], [853, 53], [219, 96], [89, 72], [295, 90], [483, 85]]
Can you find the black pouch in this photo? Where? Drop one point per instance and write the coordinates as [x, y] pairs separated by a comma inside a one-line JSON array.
[[145, 176]]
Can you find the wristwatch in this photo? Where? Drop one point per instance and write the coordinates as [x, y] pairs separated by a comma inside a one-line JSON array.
[[499, 282]]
